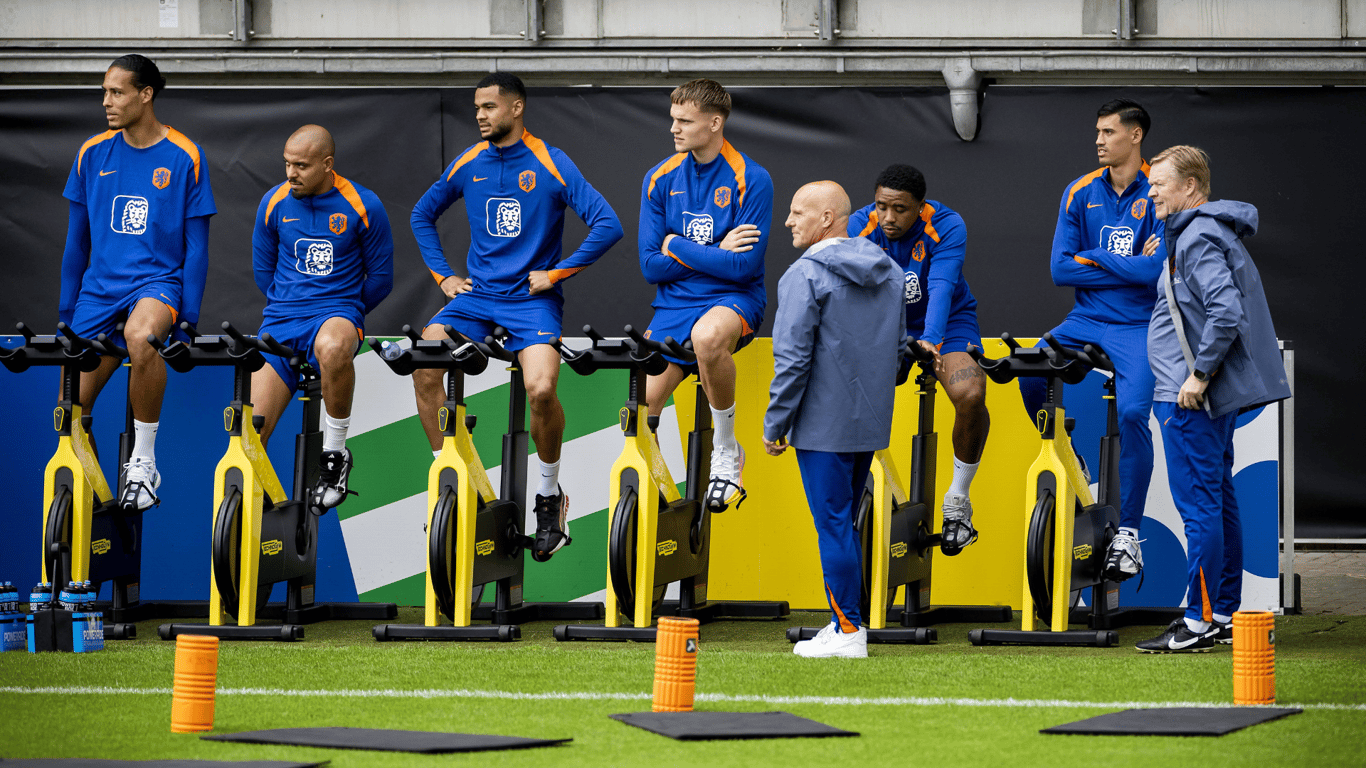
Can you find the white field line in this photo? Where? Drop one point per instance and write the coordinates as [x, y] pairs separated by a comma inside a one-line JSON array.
[[897, 701]]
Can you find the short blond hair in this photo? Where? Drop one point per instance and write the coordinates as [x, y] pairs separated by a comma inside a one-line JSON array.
[[1188, 162], [708, 95]]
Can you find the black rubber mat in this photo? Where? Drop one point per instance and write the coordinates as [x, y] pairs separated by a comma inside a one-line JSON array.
[[426, 742], [696, 726], [1174, 721], [84, 762], [94, 763]]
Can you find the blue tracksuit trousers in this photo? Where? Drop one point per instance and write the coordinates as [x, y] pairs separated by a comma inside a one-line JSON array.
[[834, 483], [1199, 453], [1127, 346]]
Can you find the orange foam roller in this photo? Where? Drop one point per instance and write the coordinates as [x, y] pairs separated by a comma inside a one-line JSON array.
[[196, 679], [675, 664], [1254, 657]]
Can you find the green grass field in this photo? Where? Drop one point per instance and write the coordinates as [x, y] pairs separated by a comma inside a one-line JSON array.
[[949, 704]]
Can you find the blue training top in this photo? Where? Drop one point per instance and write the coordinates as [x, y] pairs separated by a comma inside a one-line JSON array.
[[932, 254], [515, 199], [137, 202], [702, 204], [321, 253], [1098, 248]]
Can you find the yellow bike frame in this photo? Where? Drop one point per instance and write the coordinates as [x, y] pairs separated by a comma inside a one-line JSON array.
[[1055, 456]]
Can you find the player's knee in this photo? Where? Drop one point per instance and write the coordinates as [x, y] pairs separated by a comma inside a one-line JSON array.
[[540, 392], [1131, 414], [710, 340], [972, 399], [334, 351]]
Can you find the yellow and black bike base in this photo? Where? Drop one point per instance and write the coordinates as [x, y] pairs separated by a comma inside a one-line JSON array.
[[262, 536], [474, 536], [656, 535]]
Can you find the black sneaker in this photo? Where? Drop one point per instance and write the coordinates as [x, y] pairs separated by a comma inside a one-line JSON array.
[[1180, 639], [552, 525], [1225, 634], [331, 489]]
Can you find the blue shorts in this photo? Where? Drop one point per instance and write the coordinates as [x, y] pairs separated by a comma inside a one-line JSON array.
[[93, 317], [960, 331], [679, 322], [299, 335], [529, 320]]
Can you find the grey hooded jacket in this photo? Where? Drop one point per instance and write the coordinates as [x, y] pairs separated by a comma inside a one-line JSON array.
[[1227, 320], [837, 341]]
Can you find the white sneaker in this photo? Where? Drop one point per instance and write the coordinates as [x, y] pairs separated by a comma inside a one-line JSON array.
[[1123, 560], [831, 642], [958, 531], [140, 482], [727, 484]]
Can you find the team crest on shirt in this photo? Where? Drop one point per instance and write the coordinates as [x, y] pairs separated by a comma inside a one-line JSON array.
[[918, 252], [721, 197], [1117, 240], [313, 257], [161, 177], [337, 223], [129, 215], [1139, 208], [527, 180], [698, 227], [913, 292], [504, 216]]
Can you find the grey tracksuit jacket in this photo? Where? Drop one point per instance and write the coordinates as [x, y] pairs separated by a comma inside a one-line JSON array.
[[837, 340]]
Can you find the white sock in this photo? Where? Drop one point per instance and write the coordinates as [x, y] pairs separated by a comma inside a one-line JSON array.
[[550, 479], [1222, 619], [1196, 626], [334, 432], [723, 428], [1131, 531], [962, 477], [145, 439]]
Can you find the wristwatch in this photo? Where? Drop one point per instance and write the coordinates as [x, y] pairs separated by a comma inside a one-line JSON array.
[[1200, 375]]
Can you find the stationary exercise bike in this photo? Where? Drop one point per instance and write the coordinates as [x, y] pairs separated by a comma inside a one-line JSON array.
[[261, 535], [657, 536], [474, 536], [86, 535], [1065, 552], [895, 526]]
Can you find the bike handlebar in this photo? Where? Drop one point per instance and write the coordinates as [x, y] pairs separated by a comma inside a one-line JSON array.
[[1050, 360], [61, 348], [456, 352]]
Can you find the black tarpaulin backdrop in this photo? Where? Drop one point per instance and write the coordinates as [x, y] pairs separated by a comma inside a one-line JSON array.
[[1272, 147]]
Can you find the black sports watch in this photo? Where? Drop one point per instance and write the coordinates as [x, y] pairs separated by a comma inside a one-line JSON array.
[[1200, 375]]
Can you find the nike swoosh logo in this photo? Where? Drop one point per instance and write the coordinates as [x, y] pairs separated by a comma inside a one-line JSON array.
[[288, 220], [544, 333], [679, 192], [1094, 205], [477, 178], [106, 173], [1173, 645]]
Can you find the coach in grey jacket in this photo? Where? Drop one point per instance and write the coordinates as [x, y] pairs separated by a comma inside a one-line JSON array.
[[1213, 351], [837, 342]]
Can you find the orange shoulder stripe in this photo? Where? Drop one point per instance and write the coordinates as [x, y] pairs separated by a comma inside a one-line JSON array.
[[468, 156], [542, 153], [872, 224], [92, 141], [276, 197], [737, 164], [348, 191], [1083, 181], [664, 169], [180, 140], [927, 213]]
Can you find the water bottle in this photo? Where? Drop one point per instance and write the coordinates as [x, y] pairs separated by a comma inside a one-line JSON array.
[[9, 598], [66, 599], [87, 602], [40, 599], [390, 350]]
